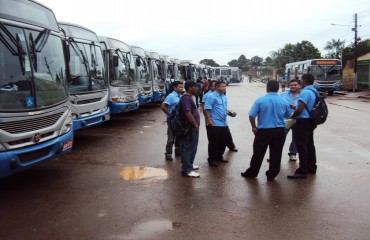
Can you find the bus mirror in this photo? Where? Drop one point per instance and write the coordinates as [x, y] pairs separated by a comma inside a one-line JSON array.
[[138, 62], [115, 61]]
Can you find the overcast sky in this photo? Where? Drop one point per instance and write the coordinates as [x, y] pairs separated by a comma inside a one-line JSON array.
[[220, 29]]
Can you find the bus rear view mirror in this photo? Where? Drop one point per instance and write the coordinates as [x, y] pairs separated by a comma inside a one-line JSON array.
[[138, 62], [115, 61]]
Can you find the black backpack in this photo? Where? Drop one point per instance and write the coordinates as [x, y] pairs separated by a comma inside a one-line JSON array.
[[319, 112], [178, 124]]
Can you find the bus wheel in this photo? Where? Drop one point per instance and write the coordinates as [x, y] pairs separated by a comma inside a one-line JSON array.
[[331, 93]]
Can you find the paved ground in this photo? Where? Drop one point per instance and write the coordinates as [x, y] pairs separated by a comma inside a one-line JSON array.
[[84, 195]]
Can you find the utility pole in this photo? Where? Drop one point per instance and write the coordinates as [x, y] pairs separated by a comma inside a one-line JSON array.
[[355, 67]]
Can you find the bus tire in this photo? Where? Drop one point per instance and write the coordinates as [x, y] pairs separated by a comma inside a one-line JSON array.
[[331, 93]]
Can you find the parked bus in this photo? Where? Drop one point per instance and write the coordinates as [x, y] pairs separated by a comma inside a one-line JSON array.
[[35, 116], [178, 70], [188, 70], [234, 75], [168, 71], [142, 75], [85, 76], [120, 72], [328, 73], [221, 72], [157, 76]]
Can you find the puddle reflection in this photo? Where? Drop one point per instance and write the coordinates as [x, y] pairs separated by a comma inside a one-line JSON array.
[[141, 172]]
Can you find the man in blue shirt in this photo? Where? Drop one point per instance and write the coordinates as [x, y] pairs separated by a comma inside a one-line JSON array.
[[270, 110], [168, 105], [305, 129], [292, 97], [215, 111]]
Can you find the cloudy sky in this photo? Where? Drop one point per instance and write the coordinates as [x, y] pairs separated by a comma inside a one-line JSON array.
[[220, 29]]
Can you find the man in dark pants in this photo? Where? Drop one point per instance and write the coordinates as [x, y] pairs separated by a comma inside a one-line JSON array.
[[271, 110], [189, 111], [304, 129], [216, 112]]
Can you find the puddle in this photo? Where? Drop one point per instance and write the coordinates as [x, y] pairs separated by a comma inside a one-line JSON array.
[[149, 229], [141, 172]]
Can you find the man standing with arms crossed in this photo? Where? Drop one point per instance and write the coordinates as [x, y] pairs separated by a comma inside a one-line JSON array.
[[271, 110], [305, 129], [168, 105]]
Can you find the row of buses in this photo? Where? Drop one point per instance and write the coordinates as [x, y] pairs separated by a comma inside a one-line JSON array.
[[59, 77]]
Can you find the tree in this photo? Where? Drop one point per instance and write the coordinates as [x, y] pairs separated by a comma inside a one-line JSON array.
[[363, 47], [269, 61], [292, 53], [334, 48], [233, 63], [256, 61], [209, 62]]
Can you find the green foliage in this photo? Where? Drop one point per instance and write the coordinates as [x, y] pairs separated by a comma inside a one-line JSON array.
[[363, 47], [256, 61], [209, 62], [292, 53], [334, 48], [242, 63]]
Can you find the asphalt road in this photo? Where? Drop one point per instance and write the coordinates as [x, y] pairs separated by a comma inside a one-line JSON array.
[[99, 190]]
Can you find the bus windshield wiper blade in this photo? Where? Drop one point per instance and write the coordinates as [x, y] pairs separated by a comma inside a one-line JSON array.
[[79, 53], [12, 39], [41, 40]]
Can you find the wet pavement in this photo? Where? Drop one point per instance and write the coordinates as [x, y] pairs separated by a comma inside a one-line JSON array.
[[116, 184]]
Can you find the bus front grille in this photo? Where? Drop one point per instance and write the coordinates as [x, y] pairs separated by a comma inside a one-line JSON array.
[[86, 101], [32, 124]]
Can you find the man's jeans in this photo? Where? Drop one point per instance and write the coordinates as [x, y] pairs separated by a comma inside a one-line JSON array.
[[293, 147], [171, 140], [189, 150]]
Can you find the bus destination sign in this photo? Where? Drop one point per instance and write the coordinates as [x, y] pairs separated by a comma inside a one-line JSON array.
[[326, 62]]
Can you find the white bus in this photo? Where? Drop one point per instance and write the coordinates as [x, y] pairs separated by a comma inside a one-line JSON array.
[[328, 73], [157, 76], [35, 116], [120, 71], [86, 78], [144, 82]]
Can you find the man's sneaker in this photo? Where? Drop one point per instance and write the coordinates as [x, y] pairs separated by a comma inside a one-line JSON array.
[[169, 157], [293, 158], [192, 174], [195, 167]]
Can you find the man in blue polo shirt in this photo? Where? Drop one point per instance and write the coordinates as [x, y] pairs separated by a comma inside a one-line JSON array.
[[168, 105], [292, 97], [271, 110], [215, 111], [304, 129]]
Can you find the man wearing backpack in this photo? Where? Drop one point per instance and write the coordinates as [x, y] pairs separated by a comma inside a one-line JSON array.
[[168, 105], [305, 128]]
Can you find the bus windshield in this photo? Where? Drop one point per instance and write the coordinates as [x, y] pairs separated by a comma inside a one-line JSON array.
[[86, 68], [123, 74], [31, 77], [157, 70], [170, 71], [326, 73], [142, 72]]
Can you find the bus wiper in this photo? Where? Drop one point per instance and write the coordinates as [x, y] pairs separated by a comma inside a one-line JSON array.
[[80, 54], [18, 44], [41, 40], [120, 57]]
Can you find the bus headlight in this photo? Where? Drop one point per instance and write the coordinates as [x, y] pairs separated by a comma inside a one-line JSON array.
[[141, 91], [67, 125], [156, 88], [2, 148]]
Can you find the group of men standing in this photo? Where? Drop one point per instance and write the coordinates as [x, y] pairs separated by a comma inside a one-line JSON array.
[[271, 111], [267, 118], [215, 110]]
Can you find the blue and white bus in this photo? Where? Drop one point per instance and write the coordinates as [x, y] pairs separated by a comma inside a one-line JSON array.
[[122, 84], [157, 76], [328, 73], [142, 73], [86, 78], [35, 116], [234, 75]]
